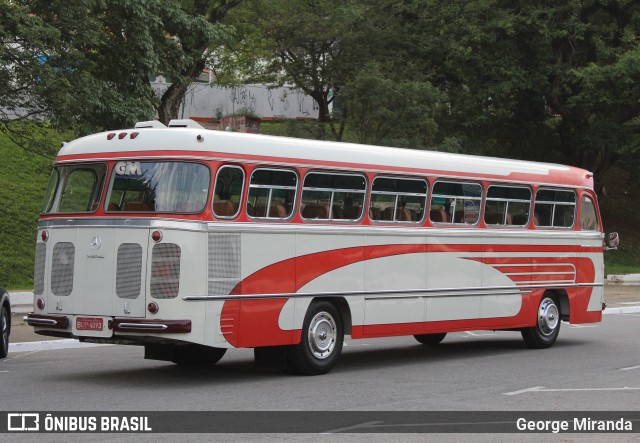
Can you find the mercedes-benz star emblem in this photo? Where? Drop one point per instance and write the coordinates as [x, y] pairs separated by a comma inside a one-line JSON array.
[[96, 242]]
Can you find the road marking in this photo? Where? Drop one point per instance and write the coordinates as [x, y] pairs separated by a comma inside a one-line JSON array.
[[630, 303], [522, 391], [49, 345], [3, 371], [351, 345], [630, 368], [543, 389]]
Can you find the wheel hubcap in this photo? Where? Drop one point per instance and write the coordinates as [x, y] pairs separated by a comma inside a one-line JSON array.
[[548, 317], [322, 335]]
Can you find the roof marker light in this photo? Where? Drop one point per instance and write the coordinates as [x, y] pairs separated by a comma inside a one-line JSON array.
[[122, 135], [111, 135], [200, 138], [133, 135]]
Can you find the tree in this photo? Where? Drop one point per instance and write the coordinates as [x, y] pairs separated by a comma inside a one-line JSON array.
[[87, 64], [386, 111], [534, 79], [305, 44]]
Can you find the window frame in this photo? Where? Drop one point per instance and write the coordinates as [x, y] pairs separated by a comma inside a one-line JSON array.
[[271, 188], [480, 199], [397, 195], [553, 213], [506, 211], [584, 197], [333, 192], [213, 196]]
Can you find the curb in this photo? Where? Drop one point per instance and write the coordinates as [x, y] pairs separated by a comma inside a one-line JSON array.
[[21, 302], [627, 279]]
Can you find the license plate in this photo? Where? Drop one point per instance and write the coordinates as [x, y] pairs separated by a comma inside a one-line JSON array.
[[88, 324]]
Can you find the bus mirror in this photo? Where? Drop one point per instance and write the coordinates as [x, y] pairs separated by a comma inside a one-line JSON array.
[[613, 241]]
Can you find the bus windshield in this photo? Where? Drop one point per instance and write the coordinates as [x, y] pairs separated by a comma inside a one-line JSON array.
[[158, 187], [74, 188]]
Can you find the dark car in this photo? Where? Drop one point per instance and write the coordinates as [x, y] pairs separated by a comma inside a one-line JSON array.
[[5, 322]]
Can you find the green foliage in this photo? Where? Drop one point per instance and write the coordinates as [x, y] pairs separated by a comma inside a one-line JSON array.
[[384, 111], [23, 180]]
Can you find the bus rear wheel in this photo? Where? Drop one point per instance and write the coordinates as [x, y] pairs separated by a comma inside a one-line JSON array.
[[321, 342], [197, 355], [430, 339], [545, 332]]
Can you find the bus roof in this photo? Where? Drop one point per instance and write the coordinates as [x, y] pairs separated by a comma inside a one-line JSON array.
[[232, 146]]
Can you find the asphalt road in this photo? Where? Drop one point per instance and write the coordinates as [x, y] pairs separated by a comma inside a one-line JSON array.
[[591, 367]]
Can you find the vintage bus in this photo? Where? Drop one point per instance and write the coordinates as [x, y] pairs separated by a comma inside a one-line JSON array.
[[190, 241]]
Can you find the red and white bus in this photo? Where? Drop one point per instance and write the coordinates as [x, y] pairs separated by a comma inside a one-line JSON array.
[[190, 242]]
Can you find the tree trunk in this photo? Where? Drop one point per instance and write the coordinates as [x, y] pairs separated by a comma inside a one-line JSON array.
[[170, 102]]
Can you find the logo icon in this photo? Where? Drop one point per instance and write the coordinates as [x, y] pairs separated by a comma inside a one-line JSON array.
[[23, 422], [96, 242]]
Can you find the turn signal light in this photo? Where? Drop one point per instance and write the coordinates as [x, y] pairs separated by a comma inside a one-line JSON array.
[[44, 235]]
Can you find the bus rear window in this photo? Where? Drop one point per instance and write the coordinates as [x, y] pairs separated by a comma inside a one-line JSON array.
[[74, 189], [164, 187]]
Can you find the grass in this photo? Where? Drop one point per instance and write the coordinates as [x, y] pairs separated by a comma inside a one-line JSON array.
[[23, 180], [24, 176]]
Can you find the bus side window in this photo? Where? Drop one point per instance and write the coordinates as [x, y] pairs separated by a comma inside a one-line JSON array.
[[588, 217], [395, 199], [555, 208], [227, 193], [507, 205], [459, 201], [272, 193], [332, 196]]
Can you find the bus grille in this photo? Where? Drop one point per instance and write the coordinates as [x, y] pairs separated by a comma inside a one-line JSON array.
[[62, 268], [38, 272], [165, 270], [224, 263], [129, 270]]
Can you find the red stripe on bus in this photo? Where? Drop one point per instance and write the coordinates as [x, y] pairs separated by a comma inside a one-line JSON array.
[[255, 322]]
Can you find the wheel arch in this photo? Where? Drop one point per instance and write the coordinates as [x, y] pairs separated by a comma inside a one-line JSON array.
[[343, 308], [562, 298]]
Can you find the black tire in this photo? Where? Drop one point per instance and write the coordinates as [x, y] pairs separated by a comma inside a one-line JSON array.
[[321, 342], [430, 339], [5, 327], [548, 320], [197, 355]]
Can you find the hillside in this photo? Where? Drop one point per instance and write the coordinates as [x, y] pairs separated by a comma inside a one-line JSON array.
[[23, 180], [621, 212]]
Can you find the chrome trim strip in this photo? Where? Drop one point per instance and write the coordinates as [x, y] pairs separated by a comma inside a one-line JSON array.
[[126, 222], [40, 321], [146, 326], [395, 229], [406, 293]]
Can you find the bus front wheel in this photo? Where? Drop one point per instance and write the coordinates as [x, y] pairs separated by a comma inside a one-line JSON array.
[[321, 342], [430, 339], [545, 332]]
